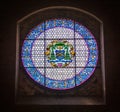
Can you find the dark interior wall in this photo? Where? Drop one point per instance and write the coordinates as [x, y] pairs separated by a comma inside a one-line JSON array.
[[12, 11]]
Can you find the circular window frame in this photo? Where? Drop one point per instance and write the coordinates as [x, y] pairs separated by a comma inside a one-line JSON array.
[[77, 79]]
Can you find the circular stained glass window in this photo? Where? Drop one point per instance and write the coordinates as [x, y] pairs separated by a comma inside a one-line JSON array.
[[59, 54]]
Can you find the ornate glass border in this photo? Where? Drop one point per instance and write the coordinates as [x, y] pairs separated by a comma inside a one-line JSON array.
[[60, 84]]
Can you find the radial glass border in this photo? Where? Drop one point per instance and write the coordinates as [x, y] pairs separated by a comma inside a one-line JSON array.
[[60, 84]]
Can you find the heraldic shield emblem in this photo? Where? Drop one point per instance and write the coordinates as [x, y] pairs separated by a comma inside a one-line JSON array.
[[60, 53]]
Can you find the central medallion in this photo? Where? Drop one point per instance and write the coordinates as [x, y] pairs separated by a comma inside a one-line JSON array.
[[60, 53]]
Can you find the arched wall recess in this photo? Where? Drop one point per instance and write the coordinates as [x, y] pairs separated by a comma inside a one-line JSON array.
[[60, 53]]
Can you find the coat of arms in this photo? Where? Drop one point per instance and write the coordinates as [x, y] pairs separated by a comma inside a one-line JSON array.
[[60, 53]]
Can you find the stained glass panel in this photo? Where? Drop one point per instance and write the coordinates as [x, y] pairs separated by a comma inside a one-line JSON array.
[[60, 54]]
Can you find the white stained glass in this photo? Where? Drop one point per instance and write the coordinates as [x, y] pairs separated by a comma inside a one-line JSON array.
[[40, 60]]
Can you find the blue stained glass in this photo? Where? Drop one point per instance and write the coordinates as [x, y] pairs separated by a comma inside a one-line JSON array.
[[33, 57], [27, 62], [59, 22]]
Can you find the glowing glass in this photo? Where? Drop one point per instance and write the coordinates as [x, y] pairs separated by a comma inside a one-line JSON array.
[[79, 70]]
